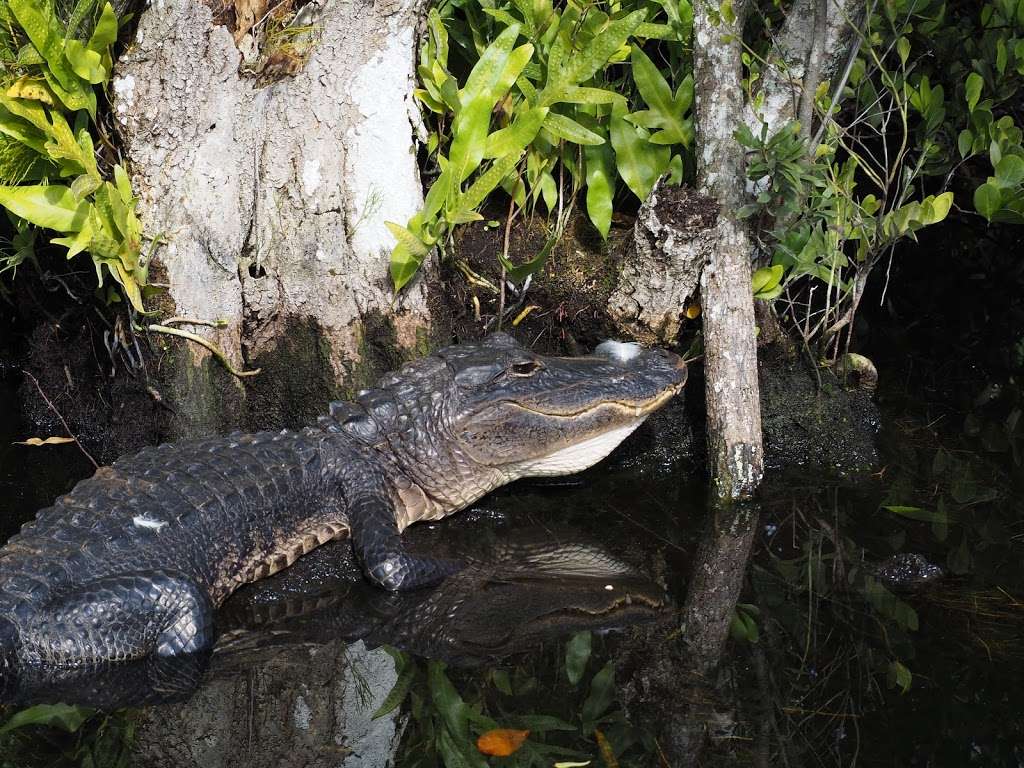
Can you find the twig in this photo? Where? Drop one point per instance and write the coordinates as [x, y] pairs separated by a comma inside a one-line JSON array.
[[220, 323], [204, 343], [67, 429], [504, 254]]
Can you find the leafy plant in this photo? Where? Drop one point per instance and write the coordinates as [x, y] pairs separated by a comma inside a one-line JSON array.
[[493, 714], [547, 117], [51, 60], [63, 735]]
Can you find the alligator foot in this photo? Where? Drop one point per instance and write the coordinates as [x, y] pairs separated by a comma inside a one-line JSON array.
[[119, 618], [378, 545]]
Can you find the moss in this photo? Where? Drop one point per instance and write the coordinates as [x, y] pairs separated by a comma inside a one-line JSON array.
[[296, 379]]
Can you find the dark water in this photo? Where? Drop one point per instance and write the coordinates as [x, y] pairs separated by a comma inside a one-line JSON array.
[[827, 662]]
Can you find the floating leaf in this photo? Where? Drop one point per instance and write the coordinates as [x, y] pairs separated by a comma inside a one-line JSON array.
[[501, 742]]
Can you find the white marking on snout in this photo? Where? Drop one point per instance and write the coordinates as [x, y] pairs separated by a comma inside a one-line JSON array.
[[141, 521], [620, 351]]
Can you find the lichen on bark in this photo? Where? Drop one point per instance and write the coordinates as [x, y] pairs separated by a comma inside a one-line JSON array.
[[272, 200]]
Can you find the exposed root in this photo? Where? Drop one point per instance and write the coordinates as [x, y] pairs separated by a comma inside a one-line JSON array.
[[214, 349]]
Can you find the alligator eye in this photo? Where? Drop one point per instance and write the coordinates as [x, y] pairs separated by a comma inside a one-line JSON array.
[[525, 368]]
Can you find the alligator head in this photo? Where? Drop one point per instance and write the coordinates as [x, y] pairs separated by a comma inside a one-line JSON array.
[[475, 416]]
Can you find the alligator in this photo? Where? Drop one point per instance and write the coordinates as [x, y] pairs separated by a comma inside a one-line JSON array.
[[134, 561]]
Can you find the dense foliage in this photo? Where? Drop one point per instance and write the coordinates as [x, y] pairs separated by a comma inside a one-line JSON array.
[[556, 115], [53, 57], [553, 101]]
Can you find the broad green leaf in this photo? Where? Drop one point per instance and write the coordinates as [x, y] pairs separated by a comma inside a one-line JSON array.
[[600, 168], [63, 716], [408, 239], [938, 207], [903, 49], [84, 185], [44, 30], [577, 653], [965, 143], [85, 62], [766, 279], [490, 83], [638, 162], [602, 693], [486, 182], [518, 273], [584, 95], [403, 266], [486, 73], [105, 33], [124, 185], [469, 139], [447, 701], [972, 90], [398, 692], [915, 513], [47, 206], [543, 723], [1010, 170], [658, 96], [987, 200], [566, 128], [518, 135], [578, 68], [77, 242]]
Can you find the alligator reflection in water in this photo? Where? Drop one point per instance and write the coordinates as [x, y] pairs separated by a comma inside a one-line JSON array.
[[294, 671]]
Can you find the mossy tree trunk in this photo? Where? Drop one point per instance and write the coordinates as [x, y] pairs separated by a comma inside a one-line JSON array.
[[271, 197]]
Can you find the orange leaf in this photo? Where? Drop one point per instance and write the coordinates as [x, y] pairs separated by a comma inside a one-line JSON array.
[[501, 742]]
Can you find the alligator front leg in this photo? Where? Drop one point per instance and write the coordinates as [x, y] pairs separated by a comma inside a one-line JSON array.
[[378, 544], [120, 618]]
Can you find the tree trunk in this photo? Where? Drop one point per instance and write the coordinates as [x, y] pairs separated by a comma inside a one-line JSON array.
[[305, 707], [272, 200], [730, 345]]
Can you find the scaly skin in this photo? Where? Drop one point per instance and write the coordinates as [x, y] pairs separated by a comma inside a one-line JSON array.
[[133, 561]]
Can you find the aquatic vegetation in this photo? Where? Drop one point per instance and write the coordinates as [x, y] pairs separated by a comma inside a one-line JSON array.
[[59, 735], [52, 59], [518, 713]]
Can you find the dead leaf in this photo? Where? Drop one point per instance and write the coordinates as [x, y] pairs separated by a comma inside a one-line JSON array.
[[47, 441], [247, 14], [501, 742]]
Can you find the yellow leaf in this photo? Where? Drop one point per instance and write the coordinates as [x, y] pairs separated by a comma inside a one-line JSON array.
[[26, 87], [47, 441], [501, 742]]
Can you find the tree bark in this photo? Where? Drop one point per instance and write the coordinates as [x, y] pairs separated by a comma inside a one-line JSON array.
[[305, 707], [730, 345], [672, 239], [272, 200], [806, 45]]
